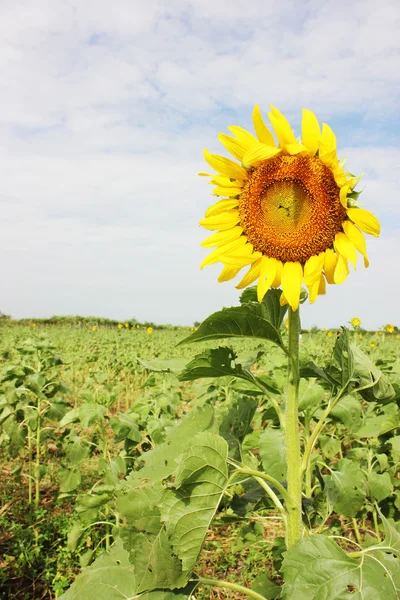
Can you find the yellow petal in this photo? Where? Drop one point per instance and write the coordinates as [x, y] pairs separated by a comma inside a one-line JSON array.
[[295, 148], [251, 275], [267, 276], [225, 166], [221, 221], [236, 148], [313, 291], [282, 128], [262, 131], [221, 206], [258, 153], [341, 270], [357, 238], [313, 269], [241, 257], [310, 131], [228, 273], [322, 286], [225, 181], [222, 237], [343, 195], [327, 146], [365, 220], [330, 262], [217, 254], [226, 191], [343, 246], [277, 281], [292, 277], [244, 137], [282, 300]]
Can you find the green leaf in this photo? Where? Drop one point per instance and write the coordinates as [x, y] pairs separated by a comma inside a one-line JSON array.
[[221, 362], [376, 425], [346, 488], [200, 482], [125, 427], [348, 411], [74, 536], [343, 357], [263, 585], [311, 395], [254, 320], [87, 414], [329, 445], [110, 577], [380, 485], [316, 568], [69, 479], [367, 374], [276, 313], [187, 506], [235, 424], [249, 295], [273, 453]]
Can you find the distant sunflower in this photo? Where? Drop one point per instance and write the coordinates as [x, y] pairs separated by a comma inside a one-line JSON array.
[[289, 211]]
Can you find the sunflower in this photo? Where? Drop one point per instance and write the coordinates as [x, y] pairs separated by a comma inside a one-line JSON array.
[[288, 211]]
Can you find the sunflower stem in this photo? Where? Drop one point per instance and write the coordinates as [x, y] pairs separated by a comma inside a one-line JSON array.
[[292, 438]]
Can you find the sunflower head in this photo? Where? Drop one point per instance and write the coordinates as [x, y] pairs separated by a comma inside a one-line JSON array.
[[355, 322], [288, 210]]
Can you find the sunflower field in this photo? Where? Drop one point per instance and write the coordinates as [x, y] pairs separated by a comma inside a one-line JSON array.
[[138, 466]]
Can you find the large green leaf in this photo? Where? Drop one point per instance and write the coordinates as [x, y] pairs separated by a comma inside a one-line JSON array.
[[316, 568], [346, 488], [221, 362], [189, 508], [236, 422], [343, 357], [273, 453], [348, 411], [375, 425], [112, 577], [252, 319], [377, 386], [165, 551]]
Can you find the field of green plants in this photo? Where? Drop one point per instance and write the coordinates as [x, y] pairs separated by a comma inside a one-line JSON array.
[[172, 459]]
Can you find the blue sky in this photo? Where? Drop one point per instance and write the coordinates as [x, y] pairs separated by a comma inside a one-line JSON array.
[[105, 111]]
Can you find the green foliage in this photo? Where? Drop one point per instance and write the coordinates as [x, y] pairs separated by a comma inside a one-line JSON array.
[[252, 319], [316, 567], [144, 454]]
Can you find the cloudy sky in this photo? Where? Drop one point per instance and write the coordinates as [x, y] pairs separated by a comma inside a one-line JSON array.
[[105, 108]]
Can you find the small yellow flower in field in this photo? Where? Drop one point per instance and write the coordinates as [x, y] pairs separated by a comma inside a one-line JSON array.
[[330, 334], [149, 330], [195, 328], [119, 326], [379, 332], [389, 328], [33, 324], [324, 329], [94, 328], [137, 326], [355, 322], [372, 344], [126, 325], [287, 209]]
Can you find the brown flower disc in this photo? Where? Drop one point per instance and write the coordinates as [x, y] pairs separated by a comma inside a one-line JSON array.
[[290, 208]]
